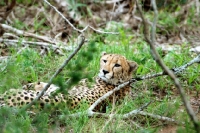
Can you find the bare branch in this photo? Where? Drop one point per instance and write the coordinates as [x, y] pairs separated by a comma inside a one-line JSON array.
[[62, 16], [181, 68], [165, 68], [91, 113], [159, 117], [128, 115], [56, 73], [14, 43], [81, 31], [175, 70], [135, 112], [26, 34], [103, 32], [107, 95]]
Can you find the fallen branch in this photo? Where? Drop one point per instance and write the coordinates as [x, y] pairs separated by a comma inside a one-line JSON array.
[[91, 113], [55, 74], [159, 117], [81, 31], [14, 43], [157, 58], [26, 34], [135, 112]]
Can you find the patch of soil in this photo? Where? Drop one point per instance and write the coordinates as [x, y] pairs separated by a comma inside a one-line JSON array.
[[168, 129]]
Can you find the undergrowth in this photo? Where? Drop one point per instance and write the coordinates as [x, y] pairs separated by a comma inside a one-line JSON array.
[[30, 66]]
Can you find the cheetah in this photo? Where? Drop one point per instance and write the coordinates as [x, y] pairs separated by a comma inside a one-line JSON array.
[[114, 70]]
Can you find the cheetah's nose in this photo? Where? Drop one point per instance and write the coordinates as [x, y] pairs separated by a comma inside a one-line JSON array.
[[105, 72]]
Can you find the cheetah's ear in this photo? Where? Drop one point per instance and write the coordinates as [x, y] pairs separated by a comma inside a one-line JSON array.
[[103, 53], [133, 66]]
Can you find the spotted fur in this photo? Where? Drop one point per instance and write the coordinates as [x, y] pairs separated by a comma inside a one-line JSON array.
[[114, 69]]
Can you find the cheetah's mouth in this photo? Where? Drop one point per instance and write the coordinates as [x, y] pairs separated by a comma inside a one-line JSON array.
[[107, 78], [103, 78]]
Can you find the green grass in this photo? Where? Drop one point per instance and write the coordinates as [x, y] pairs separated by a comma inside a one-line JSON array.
[[29, 66]]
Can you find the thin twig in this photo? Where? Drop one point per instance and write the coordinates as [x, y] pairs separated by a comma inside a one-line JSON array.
[[81, 31], [62, 16], [164, 67], [103, 32], [56, 73], [128, 115]]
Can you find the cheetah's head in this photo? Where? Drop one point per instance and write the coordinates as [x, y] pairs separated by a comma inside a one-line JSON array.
[[116, 69]]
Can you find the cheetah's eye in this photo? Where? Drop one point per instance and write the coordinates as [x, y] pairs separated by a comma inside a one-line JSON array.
[[117, 65], [104, 61]]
